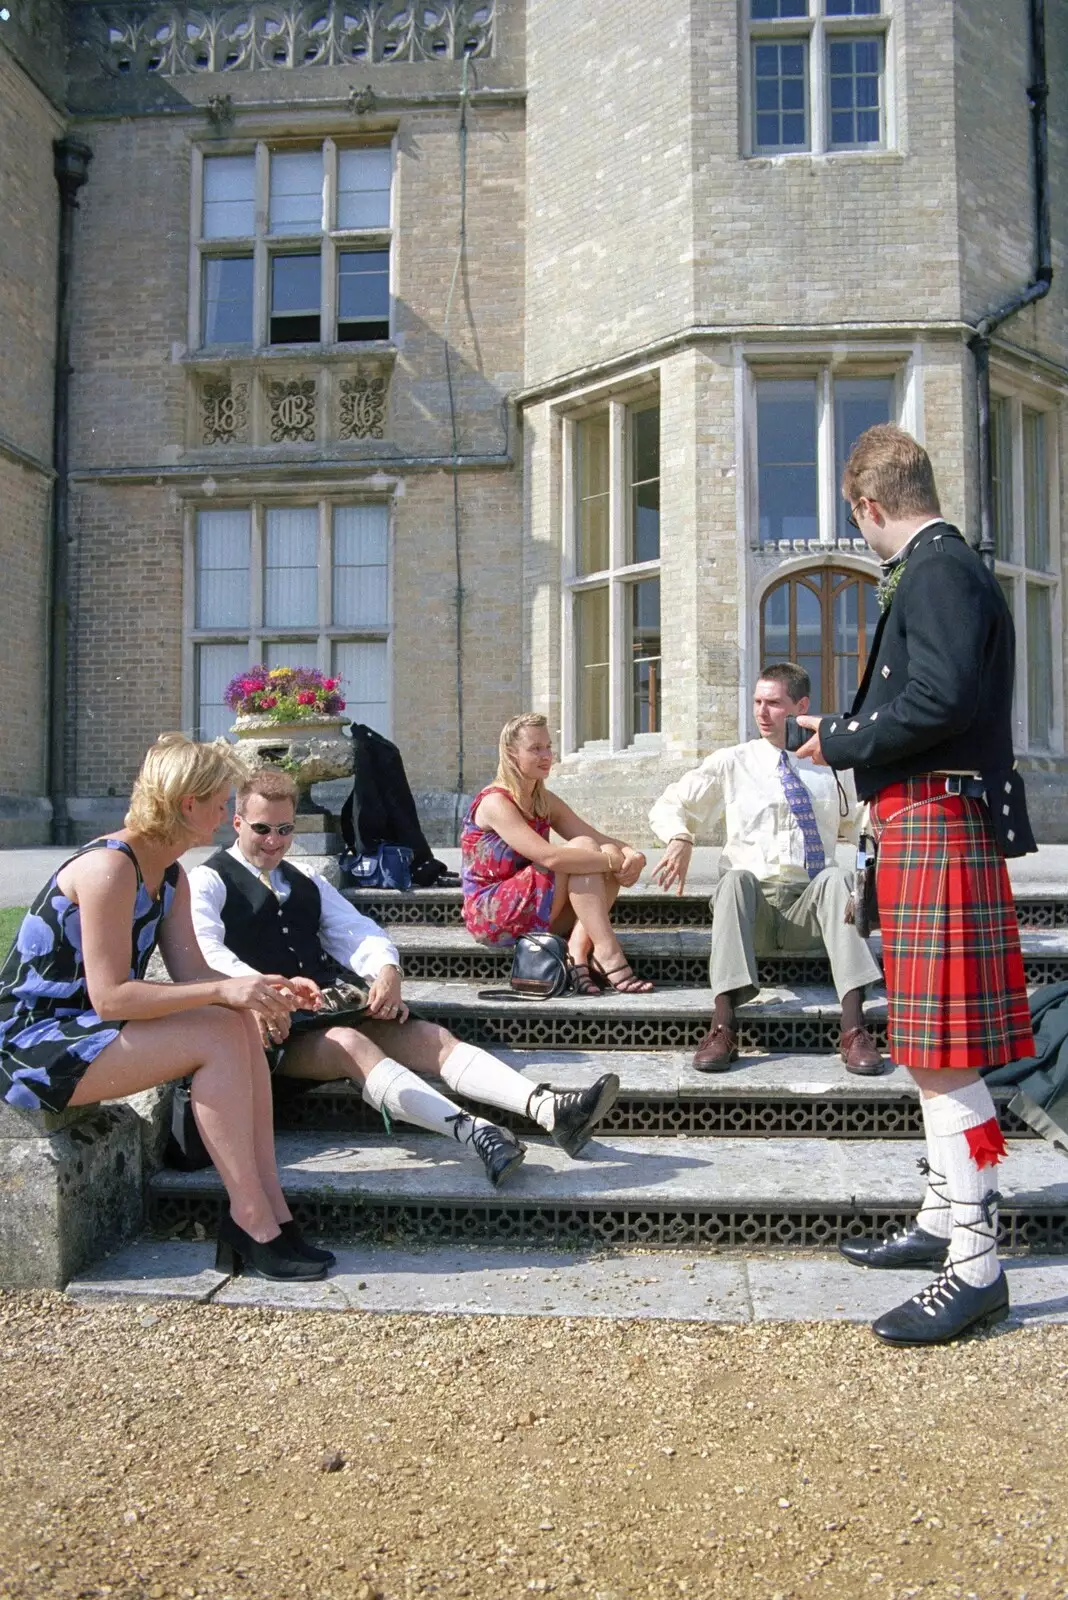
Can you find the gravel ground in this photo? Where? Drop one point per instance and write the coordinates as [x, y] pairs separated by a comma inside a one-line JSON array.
[[187, 1451]]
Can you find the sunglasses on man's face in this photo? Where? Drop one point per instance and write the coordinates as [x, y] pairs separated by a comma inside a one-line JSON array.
[[262, 829]]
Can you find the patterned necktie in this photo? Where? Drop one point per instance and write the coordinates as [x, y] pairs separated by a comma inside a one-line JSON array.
[[800, 803], [265, 879]]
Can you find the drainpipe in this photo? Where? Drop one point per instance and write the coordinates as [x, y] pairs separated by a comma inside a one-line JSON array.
[[71, 160], [1037, 289]]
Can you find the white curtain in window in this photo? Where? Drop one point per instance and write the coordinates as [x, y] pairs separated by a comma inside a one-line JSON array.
[[361, 572], [222, 584], [291, 653], [216, 665], [290, 567], [229, 197], [363, 180], [362, 666], [297, 191]]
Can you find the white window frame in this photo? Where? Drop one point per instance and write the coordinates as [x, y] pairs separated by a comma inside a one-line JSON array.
[[1021, 576], [826, 367], [263, 244], [323, 634], [817, 29], [615, 577]]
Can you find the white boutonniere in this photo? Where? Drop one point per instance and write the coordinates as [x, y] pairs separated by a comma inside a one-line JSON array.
[[885, 588]]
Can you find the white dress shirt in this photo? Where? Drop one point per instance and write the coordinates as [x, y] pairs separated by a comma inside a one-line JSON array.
[[352, 939], [742, 783]]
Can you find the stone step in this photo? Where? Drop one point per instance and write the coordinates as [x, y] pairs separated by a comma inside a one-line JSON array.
[[671, 955], [761, 1097], [799, 1193], [800, 1019], [641, 907]]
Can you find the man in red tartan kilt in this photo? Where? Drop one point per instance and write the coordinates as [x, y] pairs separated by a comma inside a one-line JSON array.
[[929, 740]]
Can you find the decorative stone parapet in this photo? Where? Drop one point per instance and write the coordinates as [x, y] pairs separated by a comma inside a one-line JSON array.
[[266, 402], [70, 1190]]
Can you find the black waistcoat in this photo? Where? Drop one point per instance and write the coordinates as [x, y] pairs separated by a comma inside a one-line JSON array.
[[266, 934]]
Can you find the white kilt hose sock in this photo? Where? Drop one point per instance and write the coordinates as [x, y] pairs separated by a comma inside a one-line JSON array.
[[404, 1097], [475, 1073], [935, 1215], [963, 1141]]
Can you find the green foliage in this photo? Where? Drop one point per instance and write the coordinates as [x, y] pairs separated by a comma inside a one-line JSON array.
[[10, 917]]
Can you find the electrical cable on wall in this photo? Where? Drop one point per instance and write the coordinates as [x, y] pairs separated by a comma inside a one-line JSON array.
[[458, 552]]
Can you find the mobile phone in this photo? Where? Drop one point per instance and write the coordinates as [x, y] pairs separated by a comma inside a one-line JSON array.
[[796, 736]]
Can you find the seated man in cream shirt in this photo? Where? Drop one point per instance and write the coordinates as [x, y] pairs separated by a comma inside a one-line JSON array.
[[780, 889]]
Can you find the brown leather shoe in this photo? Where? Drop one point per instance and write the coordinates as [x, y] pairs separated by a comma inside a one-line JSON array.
[[860, 1054], [717, 1049]]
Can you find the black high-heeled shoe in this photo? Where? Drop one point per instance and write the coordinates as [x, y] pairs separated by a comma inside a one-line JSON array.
[[237, 1251], [297, 1245]]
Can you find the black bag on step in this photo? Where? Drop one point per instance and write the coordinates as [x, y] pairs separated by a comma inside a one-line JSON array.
[[185, 1147], [541, 969], [381, 808]]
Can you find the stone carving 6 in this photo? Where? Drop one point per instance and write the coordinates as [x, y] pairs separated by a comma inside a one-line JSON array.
[[225, 411], [170, 40], [292, 408], [362, 407]]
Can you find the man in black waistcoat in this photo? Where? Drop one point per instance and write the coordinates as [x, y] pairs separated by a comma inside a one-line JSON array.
[[253, 912], [929, 740]]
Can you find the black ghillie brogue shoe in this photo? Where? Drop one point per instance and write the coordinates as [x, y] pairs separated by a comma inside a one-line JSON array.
[[946, 1310], [576, 1112], [909, 1247]]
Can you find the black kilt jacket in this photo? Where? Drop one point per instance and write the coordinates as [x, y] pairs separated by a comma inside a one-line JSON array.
[[937, 691]]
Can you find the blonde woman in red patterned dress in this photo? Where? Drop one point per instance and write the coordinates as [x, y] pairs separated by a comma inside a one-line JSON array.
[[516, 880]]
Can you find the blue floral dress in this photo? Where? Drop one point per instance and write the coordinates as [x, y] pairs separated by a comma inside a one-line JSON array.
[[49, 1032]]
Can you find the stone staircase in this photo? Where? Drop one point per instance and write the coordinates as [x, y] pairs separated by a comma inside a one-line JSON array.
[[786, 1150]]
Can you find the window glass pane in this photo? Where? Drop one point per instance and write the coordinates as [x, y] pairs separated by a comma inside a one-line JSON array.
[[855, 615], [363, 667], [227, 310], [591, 442], [363, 294], [229, 197], [776, 620], [363, 180], [644, 618], [768, 10], [216, 664], [1036, 492], [1039, 666], [297, 191], [786, 458], [1001, 461], [809, 646], [591, 664], [290, 567], [294, 299], [859, 403], [222, 584], [645, 485], [361, 573], [854, 75], [291, 653], [780, 119], [854, 8]]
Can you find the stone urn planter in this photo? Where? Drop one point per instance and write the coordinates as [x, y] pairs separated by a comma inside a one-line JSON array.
[[312, 749]]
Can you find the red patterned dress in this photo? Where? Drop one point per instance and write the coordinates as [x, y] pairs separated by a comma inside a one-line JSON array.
[[505, 894]]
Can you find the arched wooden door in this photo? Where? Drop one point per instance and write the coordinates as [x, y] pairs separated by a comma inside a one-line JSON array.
[[823, 618]]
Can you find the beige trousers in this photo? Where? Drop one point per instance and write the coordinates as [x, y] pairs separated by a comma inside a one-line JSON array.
[[750, 920]]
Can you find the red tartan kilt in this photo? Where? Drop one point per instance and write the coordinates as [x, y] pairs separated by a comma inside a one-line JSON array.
[[951, 942]]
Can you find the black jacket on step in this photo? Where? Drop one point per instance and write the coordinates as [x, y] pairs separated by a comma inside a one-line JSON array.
[[937, 692]]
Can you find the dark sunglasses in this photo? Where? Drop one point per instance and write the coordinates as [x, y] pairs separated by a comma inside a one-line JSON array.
[[283, 830], [852, 519]]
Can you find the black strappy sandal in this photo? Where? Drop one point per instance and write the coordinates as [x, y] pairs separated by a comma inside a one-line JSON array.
[[631, 985], [583, 981]]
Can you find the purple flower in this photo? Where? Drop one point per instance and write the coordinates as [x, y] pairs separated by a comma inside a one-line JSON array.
[[35, 937], [89, 1048]]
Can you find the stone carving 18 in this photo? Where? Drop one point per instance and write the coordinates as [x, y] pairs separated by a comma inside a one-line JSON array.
[[225, 411], [362, 407], [292, 407], [170, 40]]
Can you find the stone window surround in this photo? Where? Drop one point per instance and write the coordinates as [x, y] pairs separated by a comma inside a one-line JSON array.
[[817, 28], [771, 572], [619, 401], [263, 245], [256, 635], [1006, 386]]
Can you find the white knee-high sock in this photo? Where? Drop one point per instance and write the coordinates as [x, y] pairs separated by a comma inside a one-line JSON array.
[[398, 1093], [478, 1075], [968, 1141], [935, 1215]]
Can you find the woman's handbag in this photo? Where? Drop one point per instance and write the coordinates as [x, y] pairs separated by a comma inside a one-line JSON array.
[[185, 1148], [388, 867], [541, 969]]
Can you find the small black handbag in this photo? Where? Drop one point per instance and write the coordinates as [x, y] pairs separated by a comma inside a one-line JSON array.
[[541, 969], [862, 907]]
